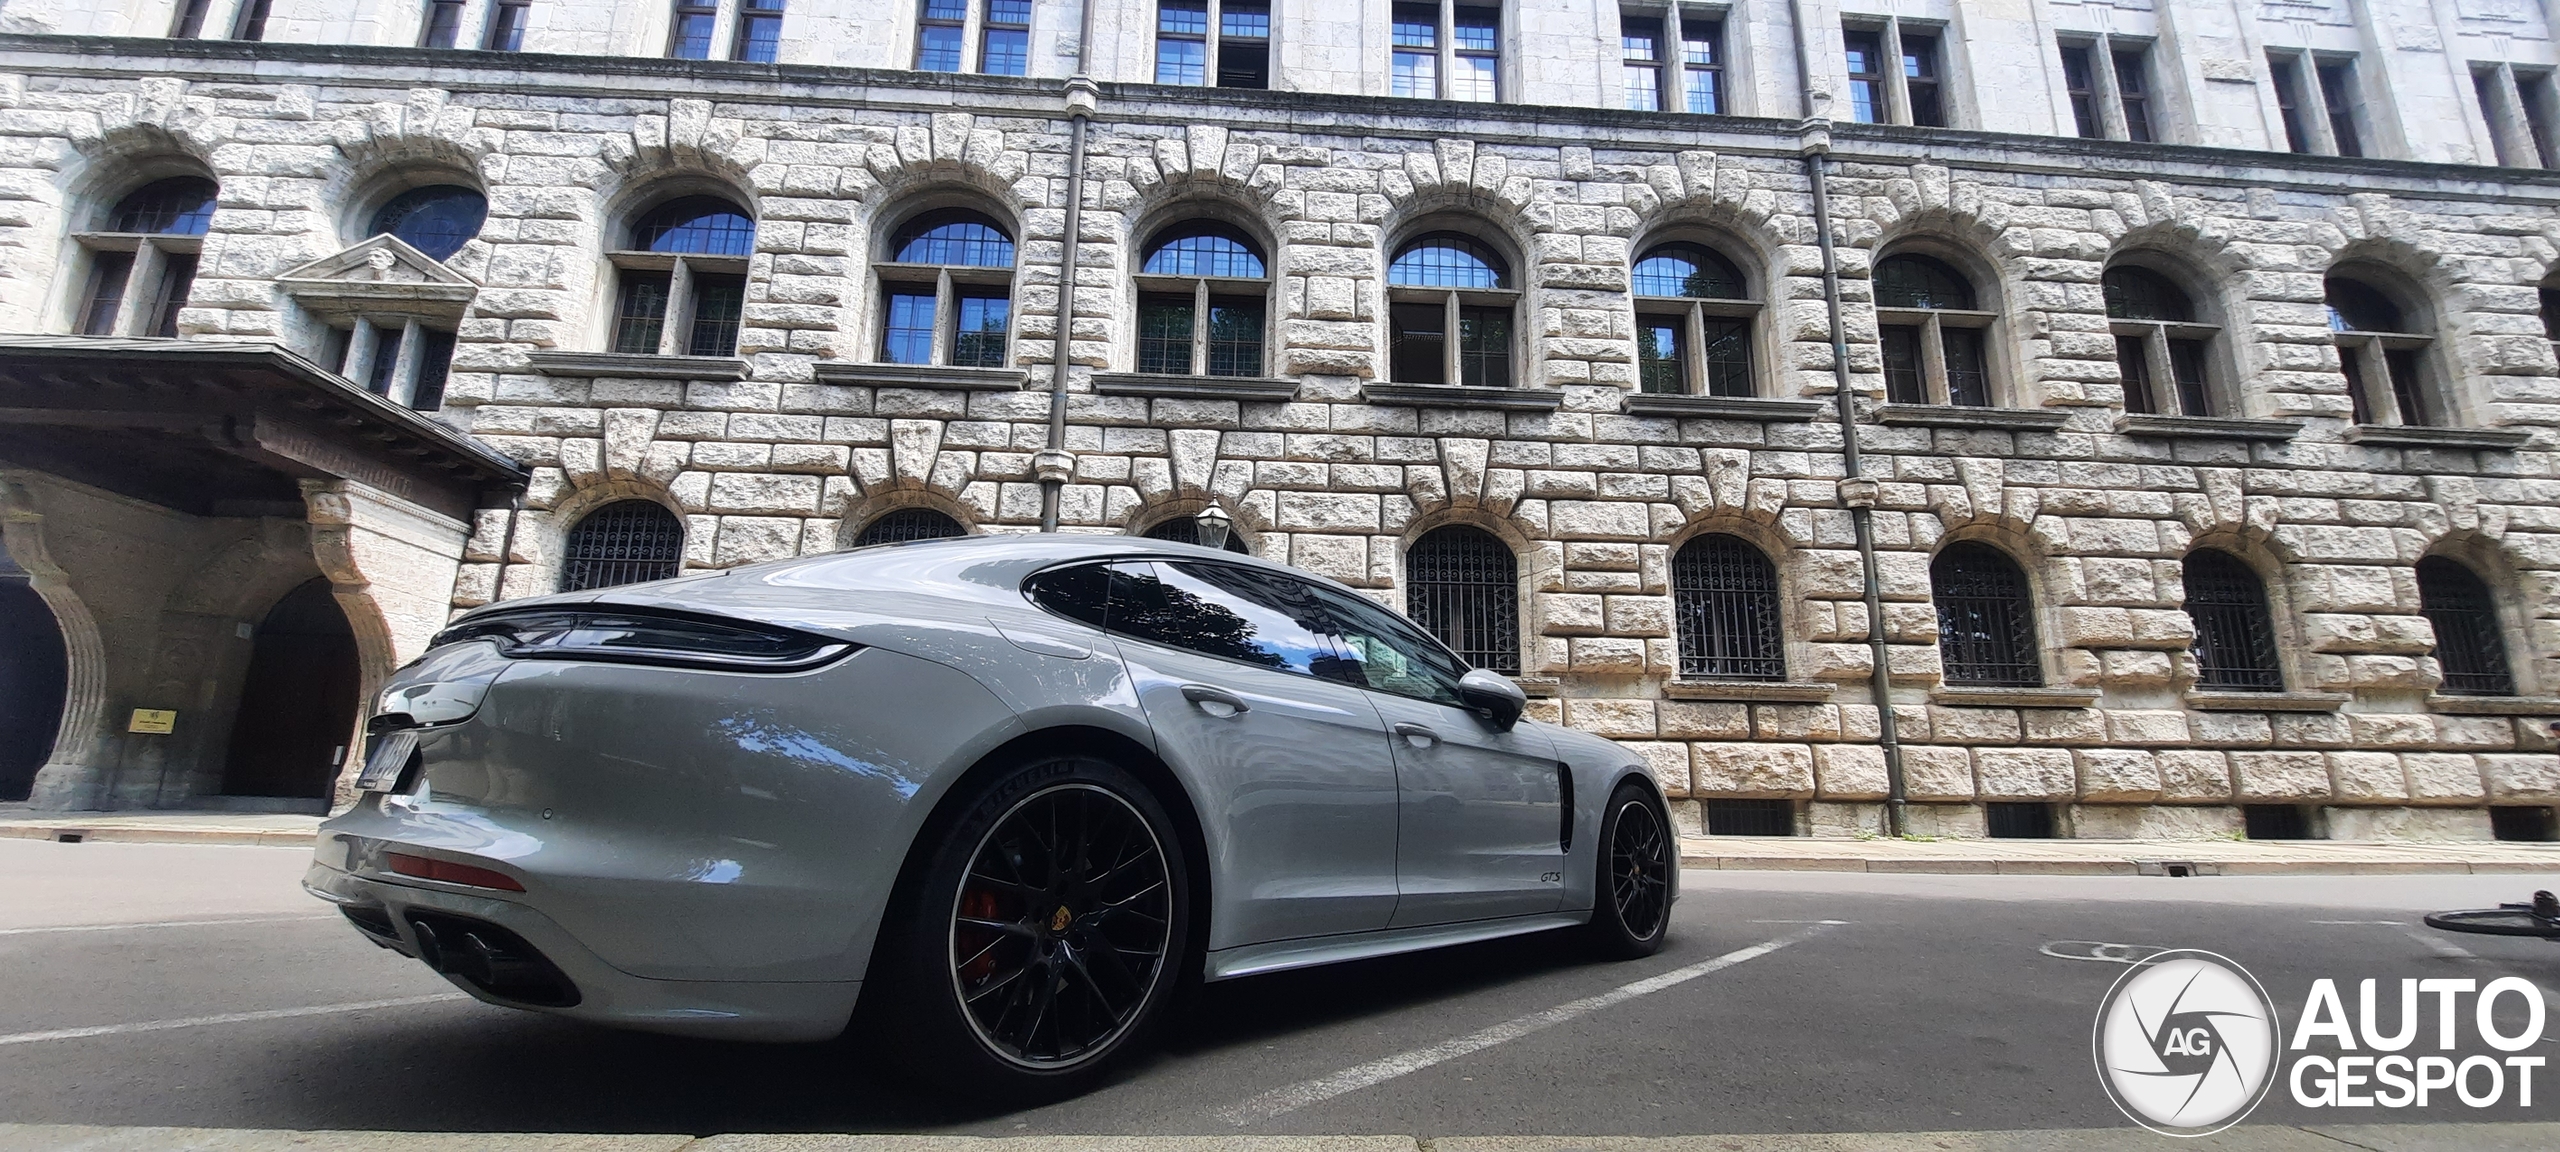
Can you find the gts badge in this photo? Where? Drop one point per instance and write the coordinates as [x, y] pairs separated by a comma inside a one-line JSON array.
[[1550, 877]]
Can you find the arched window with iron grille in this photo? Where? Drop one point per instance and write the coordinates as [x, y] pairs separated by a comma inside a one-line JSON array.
[[2469, 644], [1986, 619], [1725, 595], [1463, 584], [624, 542], [1185, 530], [2235, 645], [909, 524]]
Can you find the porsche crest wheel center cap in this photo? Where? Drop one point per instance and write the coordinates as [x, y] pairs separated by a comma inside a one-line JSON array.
[[1059, 919]]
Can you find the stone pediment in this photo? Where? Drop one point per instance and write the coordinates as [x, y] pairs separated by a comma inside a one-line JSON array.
[[379, 276]]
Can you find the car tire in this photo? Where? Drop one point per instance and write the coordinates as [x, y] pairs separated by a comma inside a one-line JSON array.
[[1046, 929], [1631, 905]]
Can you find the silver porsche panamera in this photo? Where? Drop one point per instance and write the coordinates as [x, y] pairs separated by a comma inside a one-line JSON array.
[[1006, 792]]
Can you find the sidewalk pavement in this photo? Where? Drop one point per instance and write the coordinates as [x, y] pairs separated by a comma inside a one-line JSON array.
[[1763, 853], [2537, 1137]]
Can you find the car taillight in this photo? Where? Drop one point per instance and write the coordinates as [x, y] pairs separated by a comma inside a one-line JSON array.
[[645, 637], [446, 871]]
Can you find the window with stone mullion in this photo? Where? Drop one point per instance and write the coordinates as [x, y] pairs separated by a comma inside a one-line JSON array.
[[1445, 50], [1936, 356], [689, 33], [668, 305], [1200, 325], [959, 317]]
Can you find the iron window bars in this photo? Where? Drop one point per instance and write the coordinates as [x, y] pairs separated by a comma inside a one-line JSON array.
[[1986, 620], [1463, 585], [906, 524], [1724, 596], [624, 542], [2235, 644], [2470, 644]]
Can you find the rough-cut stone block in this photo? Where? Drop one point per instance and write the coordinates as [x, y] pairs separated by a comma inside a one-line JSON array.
[[2521, 777], [2367, 777], [2117, 775], [2024, 773], [1937, 772], [2192, 774], [1624, 719], [2279, 776], [1849, 772], [1667, 763], [1752, 770]]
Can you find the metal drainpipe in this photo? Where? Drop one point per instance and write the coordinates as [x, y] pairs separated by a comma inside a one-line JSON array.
[[507, 545], [1858, 492], [1054, 465]]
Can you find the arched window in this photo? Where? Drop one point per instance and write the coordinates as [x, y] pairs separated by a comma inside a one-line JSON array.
[[947, 295], [1933, 331], [143, 265], [1986, 620], [908, 524], [2235, 645], [2382, 349], [1185, 530], [624, 542], [437, 219], [1724, 594], [1202, 270], [1693, 322], [684, 279], [2160, 346], [1463, 585], [2470, 645], [1446, 283]]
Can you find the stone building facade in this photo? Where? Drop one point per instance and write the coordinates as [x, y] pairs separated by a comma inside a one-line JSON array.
[[1990, 301]]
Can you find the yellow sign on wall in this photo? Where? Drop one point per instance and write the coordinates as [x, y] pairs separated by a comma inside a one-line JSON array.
[[153, 721]]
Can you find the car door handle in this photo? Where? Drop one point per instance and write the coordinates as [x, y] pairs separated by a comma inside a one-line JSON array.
[[1420, 736], [1211, 699]]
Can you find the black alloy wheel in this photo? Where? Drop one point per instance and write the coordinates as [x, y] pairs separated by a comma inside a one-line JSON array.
[[1061, 927], [1632, 911], [1043, 930]]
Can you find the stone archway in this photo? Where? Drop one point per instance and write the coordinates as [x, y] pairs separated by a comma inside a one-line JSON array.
[[35, 679], [298, 702]]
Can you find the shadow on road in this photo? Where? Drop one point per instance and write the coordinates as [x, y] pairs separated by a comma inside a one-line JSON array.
[[494, 1071]]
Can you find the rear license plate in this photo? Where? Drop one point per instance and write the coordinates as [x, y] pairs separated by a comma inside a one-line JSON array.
[[383, 762]]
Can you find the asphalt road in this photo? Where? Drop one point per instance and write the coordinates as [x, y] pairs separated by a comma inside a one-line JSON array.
[[1932, 1003]]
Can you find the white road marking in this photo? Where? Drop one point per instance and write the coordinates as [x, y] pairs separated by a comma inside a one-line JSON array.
[[2387, 923], [1280, 1101], [225, 1018], [159, 924], [2443, 948]]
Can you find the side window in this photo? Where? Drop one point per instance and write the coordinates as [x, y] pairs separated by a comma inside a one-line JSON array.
[[1390, 655], [1232, 613], [1077, 593]]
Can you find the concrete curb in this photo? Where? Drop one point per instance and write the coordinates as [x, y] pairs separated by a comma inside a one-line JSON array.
[[98, 832], [2526, 1137]]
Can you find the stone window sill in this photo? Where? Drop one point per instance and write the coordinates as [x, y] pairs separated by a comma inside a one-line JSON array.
[[1462, 396], [2419, 436], [2495, 705], [1757, 691], [1967, 416], [1723, 407], [2265, 701], [1254, 389], [2015, 697], [923, 376], [2207, 428], [639, 366]]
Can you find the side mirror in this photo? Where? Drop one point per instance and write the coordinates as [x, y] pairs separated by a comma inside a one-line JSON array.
[[1493, 697]]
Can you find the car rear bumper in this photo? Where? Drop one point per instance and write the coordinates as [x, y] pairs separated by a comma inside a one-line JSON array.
[[393, 914]]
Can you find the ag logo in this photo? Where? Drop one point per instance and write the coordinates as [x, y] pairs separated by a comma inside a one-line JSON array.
[[2186, 1043]]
